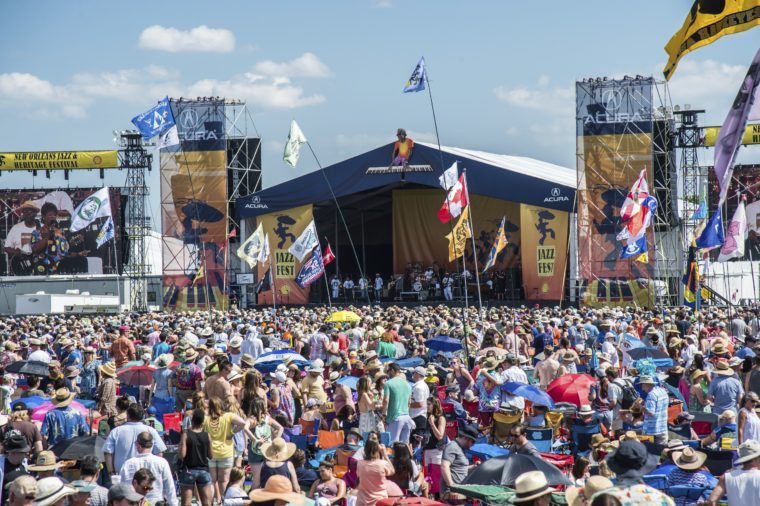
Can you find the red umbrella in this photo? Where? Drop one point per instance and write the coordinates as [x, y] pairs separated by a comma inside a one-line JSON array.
[[571, 388], [137, 375]]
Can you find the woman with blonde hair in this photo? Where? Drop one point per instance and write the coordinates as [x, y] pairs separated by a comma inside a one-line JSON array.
[[367, 417], [221, 427]]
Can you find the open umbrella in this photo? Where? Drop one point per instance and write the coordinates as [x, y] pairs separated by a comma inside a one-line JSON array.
[[647, 352], [499, 352], [269, 361], [349, 381], [408, 363], [77, 448], [505, 470], [744, 353], [571, 388], [530, 392], [28, 367], [444, 344], [40, 411], [136, 376], [343, 316]]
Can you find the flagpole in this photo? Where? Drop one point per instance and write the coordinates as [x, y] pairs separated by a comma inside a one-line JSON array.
[[116, 264], [274, 294], [474, 250]]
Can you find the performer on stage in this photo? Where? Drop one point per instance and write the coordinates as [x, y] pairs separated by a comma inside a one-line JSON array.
[[49, 244], [18, 243], [402, 149]]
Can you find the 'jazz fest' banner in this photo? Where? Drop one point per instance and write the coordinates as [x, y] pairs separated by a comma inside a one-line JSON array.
[[56, 160], [194, 209], [614, 127], [418, 236], [543, 240], [283, 228]]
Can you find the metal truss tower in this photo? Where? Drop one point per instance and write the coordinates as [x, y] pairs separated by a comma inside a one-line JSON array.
[[688, 139], [136, 160]]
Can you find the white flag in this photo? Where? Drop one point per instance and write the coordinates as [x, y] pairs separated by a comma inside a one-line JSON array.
[[735, 235], [168, 138], [449, 177], [293, 146], [305, 242], [264, 252], [106, 233], [250, 250], [97, 205]]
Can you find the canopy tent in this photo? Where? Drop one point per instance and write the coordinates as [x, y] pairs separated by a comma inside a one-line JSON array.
[[510, 178]]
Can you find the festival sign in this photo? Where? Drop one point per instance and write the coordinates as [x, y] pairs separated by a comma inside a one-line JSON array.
[[751, 135], [58, 160], [543, 236], [284, 227]]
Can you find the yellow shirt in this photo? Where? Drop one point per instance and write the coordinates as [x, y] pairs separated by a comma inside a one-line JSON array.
[[314, 388], [220, 433]]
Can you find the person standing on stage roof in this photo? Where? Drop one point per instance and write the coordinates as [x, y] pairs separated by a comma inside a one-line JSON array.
[[402, 149]]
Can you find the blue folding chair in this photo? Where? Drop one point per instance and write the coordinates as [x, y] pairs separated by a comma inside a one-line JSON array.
[[658, 481], [542, 439], [581, 436], [689, 492], [385, 438], [301, 441]]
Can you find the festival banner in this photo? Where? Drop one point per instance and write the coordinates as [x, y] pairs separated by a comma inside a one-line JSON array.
[[58, 160], [617, 292], [283, 228], [459, 235], [751, 135], [419, 237], [194, 209], [543, 237]]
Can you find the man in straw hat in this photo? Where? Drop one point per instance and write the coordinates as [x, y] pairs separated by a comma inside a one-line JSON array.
[[532, 487], [187, 378], [163, 486], [63, 421], [740, 486], [106, 392], [689, 462], [725, 390], [45, 465]]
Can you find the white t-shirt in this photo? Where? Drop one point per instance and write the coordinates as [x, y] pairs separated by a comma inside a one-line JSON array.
[[420, 393], [19, 235]]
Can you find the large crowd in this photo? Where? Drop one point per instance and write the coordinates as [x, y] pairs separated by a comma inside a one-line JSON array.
[[309, 405]]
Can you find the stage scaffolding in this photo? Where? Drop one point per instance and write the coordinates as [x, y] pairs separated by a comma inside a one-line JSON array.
[[624, 126]]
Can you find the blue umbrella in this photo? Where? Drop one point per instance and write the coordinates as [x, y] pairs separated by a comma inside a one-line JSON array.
[[349, 381], [269, 361], [530, 392], [444, 344], [408, 363], [647, 352], [745, 352]]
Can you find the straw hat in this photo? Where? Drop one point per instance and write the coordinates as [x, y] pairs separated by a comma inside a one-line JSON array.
[[62, 398], [531, 485], [247, 359], [71, 371], [190, 355], [578, 496], [51, 490], [718, 347], [585, 410], [277, 488], [164, 360], [317, 366], [748, 450], [278, 450], [698, 374], [689, 459], [598, 440], [108, 369], [723, 369], [29, 204], [45, 462]]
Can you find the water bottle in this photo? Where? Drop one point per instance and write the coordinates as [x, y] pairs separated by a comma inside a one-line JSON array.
[[316, 498]]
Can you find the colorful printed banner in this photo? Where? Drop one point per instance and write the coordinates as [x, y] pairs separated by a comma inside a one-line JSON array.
[[544, 236], [58, 160]]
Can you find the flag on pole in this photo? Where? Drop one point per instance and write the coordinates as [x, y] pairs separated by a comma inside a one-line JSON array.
[[701, 211], [416, 81], [327, 256], [456, 200], [305, 242], [712, 236], [691, 295], [449, 177], [156, 120], [498, 245], [199, 275], [265, 283], [97, 205], [250, 250], [293, 146], [168, 138], [311, 270], [730, 136], [639, 191], [106, 233], [233, 233], [459, 235], [263, 255], [735, 236]]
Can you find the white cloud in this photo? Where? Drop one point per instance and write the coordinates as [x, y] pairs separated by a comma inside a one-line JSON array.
[[706, 84], [383, 4], [199, 39], [272, 93], [557, 100], [21, 88], [306, 65]]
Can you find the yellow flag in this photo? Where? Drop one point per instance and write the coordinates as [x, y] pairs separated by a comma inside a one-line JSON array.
[[706, 23], [459, 235], [199, 275], [643, 258]]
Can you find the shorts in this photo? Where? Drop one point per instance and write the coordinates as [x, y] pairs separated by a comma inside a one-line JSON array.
[[221, 463], [192, 477]]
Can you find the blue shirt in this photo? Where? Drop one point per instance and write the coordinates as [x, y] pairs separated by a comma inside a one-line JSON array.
[[726, 390], [73, 358], [681, 477], [160, 349], [657, 403], [63, 423], [121, 442]]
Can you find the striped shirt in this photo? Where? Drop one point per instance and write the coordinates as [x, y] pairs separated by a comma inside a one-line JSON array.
[[657, 403]]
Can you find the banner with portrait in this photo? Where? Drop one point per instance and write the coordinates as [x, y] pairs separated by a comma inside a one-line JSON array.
[[194, 209], [418, 236], [544, 241], [28, 216], [283, 228]]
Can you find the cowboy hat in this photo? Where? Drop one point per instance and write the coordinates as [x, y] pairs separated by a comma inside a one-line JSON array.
[[29, 204], [334, 375], [108, 369], [718, 347], [234, 375], [631, 460], [593, 485], [164, 360], [531, 485], [190, 355], [247, 359], [488, 364], [277, 488], [646, 380], [62, 398], [278, 450], [45, 462], [236, 342], [689, 459], [698, 374], [598, 440], [51, 490], [722, 369], [71, 371], [585, 410]]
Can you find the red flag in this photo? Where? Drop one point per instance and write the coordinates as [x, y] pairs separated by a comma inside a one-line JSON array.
[[455, 202], [327, 256], [233, 233]]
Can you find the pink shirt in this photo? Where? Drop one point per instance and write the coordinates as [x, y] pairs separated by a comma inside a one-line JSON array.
[[373, 481]]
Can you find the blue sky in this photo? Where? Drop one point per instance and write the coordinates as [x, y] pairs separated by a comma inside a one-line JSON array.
[[502, 72]]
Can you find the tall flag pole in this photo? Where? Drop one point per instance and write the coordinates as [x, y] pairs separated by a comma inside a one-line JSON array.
[[474, 249]]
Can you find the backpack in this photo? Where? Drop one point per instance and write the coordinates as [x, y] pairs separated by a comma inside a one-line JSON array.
[[629, 394]]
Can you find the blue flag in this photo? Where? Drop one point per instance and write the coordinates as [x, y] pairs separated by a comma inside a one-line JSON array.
[[155, 121], [311, 269], [639, 247], [106, 233], [712, 236], [701, 212], [417, 80]]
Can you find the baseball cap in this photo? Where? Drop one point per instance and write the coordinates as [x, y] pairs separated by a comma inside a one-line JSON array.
[[123, 491]]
